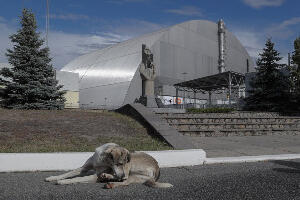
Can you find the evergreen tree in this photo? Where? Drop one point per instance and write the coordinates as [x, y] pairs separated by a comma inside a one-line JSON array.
[[295, 76], [32, 82], [296, 54], [270, 86]]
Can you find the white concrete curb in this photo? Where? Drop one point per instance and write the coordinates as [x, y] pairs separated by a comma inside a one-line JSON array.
[[178, 158], [243, 159], [16, 162]]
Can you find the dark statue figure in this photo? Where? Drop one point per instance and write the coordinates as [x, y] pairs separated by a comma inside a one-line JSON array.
[[148, 73]]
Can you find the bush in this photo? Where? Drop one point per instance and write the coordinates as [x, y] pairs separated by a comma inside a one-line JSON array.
[[209, 110]]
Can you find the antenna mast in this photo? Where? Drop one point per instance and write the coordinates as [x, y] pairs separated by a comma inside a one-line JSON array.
[[47, 23]]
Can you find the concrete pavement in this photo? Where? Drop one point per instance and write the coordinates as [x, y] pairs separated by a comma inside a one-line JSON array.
[[262, 180], [248, 145]]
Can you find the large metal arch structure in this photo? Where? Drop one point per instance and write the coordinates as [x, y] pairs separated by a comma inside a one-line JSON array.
[[109, 78]]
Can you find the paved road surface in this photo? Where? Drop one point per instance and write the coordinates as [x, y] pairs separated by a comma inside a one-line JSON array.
[[248, 145], [264, 180]]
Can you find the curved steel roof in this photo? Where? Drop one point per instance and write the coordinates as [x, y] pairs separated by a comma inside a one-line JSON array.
[[109, 78]]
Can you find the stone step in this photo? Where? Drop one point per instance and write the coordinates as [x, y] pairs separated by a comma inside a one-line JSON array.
[[213, 126], [231, 120], [234, 114], [230, 123], [240, 132], [229, 117], [233, 124]]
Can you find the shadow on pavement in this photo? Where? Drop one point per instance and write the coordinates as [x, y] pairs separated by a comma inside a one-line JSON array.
[[294, 167], [286, 170]]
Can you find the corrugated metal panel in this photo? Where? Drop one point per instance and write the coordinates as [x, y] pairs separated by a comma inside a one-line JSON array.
[[109, 77], [105, 75]]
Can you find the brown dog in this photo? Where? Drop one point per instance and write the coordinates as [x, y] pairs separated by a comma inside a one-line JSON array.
[[142, 168], [118, 167], [109, 158]]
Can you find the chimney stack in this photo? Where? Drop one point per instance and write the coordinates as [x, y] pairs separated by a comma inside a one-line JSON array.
[[221, 40]]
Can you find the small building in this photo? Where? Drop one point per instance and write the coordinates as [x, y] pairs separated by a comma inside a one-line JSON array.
[[70, 82]]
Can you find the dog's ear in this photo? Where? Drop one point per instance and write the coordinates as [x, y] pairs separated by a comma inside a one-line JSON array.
[[108, 150], [128, 157]]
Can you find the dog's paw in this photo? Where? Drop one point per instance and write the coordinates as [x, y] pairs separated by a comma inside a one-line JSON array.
[[63, 182], [109, 186], [50, 179], [105, 177]]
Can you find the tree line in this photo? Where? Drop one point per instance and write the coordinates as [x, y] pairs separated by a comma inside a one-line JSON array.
[[275, 87]]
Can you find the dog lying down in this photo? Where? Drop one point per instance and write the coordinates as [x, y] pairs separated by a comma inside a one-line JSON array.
[[115, 166]]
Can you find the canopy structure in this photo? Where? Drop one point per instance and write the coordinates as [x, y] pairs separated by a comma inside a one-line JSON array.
[[228, 79]]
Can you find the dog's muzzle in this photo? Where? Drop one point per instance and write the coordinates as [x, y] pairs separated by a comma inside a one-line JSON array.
[[119, 172]]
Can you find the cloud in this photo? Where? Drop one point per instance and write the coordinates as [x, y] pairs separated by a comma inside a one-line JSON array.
[[263, 3], [131, 27], [125, 1], [254, 42], [251, 40], [2, 19], [5, 43], [69, 17], [284, 29], [186, 10], [64, 47]]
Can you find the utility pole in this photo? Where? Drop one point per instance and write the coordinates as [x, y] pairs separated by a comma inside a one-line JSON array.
[[47, 22]]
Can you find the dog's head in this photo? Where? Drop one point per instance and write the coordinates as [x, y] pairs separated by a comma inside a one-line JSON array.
[[117, 157]]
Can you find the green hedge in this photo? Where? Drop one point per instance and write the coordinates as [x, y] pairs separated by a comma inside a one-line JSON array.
[[209, 110]]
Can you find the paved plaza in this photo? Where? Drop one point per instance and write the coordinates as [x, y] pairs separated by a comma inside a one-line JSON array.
[[248, 145]]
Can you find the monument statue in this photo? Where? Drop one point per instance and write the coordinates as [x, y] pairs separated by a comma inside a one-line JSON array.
[[148, 74]]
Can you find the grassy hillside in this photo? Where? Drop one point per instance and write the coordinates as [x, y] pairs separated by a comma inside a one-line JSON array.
[[71, 130]]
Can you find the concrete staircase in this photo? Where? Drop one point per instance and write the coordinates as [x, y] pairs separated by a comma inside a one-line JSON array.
[[232, 124]]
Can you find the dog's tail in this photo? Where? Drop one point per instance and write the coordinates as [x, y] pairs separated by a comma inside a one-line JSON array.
[[152, 183]]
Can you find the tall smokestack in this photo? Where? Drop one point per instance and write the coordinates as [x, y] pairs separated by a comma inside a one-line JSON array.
[[221, 38]]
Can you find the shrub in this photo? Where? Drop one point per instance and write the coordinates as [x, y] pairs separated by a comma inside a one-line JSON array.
[[209, 110]]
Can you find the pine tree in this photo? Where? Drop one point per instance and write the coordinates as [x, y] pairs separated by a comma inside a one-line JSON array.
[[32, 82], [295, 76], [270, 86], [296, 54]]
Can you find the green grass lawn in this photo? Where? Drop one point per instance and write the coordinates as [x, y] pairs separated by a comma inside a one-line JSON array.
[[71, 131]]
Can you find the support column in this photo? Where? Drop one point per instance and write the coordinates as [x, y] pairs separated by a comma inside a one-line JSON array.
[[176, 99], [229, 86], [183, 106], [209, 98], [194, 99]]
